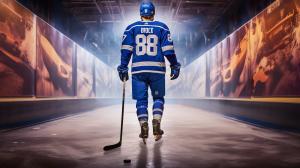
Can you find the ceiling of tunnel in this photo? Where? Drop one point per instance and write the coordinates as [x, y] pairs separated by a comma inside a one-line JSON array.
[[98, 25], [206, 13], [196, 25]]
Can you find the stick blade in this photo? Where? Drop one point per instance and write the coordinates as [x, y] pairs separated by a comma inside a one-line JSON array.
[[110, 147]]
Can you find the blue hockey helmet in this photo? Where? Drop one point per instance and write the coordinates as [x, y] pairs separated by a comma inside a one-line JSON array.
[[147, 8]]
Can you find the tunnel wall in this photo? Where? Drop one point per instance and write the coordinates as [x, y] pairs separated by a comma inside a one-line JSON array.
[[45, 75], [282, 115], [37, 61], [15, 114], [260, 59], [252, 75]]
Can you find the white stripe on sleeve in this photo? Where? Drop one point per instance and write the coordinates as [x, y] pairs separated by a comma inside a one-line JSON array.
[[127, 47], [167, 48]]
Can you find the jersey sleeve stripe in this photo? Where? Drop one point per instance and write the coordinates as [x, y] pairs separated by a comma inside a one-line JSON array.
[[167, 48], [127, 47], [148, 63]]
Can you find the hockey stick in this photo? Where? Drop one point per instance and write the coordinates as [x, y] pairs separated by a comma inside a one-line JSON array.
[[117, 145]]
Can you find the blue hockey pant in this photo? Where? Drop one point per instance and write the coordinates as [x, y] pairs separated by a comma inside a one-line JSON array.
[[140, 84]]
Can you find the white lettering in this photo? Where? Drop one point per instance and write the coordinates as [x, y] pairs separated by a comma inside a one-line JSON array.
[[146, 30]]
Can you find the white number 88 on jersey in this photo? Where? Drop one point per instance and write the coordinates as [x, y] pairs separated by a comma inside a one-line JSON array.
[[146, 44]]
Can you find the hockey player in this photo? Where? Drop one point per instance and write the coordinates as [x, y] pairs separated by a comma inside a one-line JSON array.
[[149, 42]]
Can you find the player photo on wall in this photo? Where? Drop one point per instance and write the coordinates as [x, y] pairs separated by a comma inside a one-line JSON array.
[[54, 62], [85, 73], [275, 45], [215, 62], [236, 64], [17, 50]]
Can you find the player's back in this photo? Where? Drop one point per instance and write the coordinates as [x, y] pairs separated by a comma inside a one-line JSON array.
[[149, 41]]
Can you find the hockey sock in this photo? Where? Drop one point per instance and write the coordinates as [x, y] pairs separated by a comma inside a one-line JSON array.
[[142, 111], [158, 107]]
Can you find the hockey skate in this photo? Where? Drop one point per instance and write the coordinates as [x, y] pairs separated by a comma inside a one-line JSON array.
[[157, 132], [144, 131]]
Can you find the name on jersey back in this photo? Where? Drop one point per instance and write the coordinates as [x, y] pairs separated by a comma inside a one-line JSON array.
[[146, 30]]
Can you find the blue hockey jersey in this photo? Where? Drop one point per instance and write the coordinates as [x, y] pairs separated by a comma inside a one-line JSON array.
[[148, 42]]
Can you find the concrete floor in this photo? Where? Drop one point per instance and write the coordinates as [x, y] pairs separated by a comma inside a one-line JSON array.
[[193, 138]]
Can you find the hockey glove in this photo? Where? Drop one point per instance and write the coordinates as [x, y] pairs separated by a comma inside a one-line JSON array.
[[123, 72], [175, 71]]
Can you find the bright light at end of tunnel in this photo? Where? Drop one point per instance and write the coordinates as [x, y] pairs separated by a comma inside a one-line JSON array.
[[134, 15]]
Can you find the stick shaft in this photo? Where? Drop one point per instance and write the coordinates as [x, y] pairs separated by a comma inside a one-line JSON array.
[[109, 147], [122, 117]]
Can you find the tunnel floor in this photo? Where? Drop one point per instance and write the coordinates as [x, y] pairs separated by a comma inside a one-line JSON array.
[[193, 138]]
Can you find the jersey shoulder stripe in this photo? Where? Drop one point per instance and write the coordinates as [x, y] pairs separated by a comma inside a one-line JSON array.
[[131, 25], [147, 24]]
